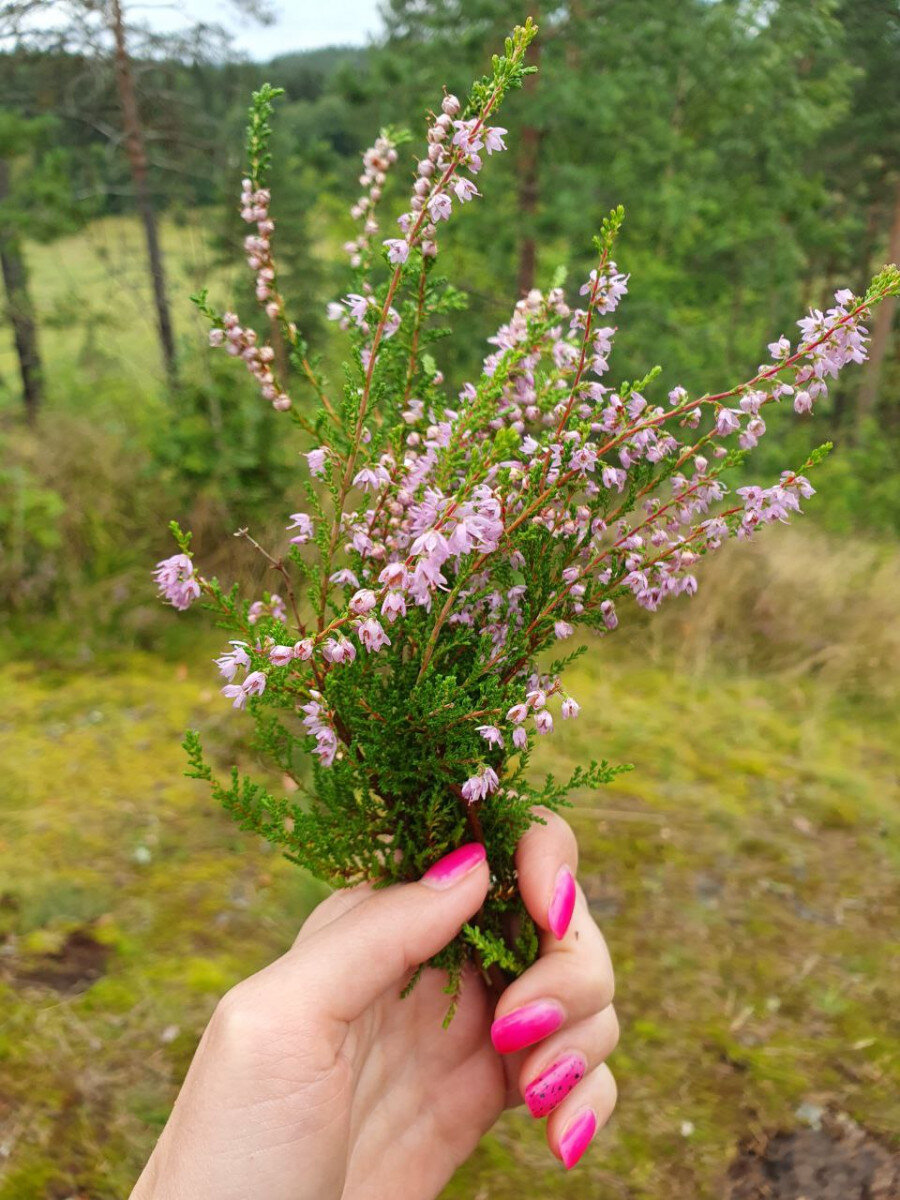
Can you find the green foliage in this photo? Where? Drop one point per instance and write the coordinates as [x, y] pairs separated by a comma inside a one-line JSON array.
[[259, 133]]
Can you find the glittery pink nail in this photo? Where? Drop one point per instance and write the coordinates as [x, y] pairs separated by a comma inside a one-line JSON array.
[[562, 903], [453, 866], [576, 1137], [525, 1026], [544, 1093]]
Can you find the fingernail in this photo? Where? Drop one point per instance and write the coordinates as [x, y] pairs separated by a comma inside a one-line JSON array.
[[576, 1137], [525, 1026], [453, 866], [553, 1085], [562, 903]]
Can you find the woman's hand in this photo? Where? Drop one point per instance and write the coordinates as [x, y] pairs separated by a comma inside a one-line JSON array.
[[315, 1081]]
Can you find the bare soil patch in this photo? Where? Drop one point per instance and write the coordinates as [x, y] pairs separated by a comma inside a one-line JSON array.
[[840, 1160]]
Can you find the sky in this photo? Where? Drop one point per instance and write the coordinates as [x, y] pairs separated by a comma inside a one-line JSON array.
[[300, 24]]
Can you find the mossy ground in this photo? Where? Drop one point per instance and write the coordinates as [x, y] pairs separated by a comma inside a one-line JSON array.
[[745, 875]]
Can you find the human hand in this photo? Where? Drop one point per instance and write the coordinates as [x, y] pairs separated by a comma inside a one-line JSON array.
[[315, 1080]]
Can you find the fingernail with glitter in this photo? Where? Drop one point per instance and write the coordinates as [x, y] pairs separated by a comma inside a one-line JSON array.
[[525, 1026], [544, 1093], [562, 903], [577, 1137], [453, 866]]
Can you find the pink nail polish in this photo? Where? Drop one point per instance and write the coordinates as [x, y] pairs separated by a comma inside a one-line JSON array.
[[453, 866], [525, 1026], [562, 903], [553, 1085], [576, 1137]]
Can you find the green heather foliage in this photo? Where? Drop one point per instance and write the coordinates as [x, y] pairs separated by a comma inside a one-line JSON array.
[[449, 544]]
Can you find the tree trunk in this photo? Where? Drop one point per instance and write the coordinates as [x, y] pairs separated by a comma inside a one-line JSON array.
[[527, 169], [137, 162], [881, 333], [20, 311]]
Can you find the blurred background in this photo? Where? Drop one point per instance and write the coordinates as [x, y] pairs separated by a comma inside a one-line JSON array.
[[746, 873]]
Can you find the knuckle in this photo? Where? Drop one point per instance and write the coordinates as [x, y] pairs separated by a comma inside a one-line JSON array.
[[613, 1030], [603, 985], [236, 1017], [559, 829]]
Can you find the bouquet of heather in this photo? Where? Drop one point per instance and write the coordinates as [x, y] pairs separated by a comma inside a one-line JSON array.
[[447, 544]]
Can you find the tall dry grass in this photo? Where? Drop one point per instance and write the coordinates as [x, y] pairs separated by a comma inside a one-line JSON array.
[[793, 603]]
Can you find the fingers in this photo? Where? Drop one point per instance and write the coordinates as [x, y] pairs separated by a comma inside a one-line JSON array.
[[572, 1125], [550, 1071], [349, 961], [546, 861], [571, 981], [562, 1005]]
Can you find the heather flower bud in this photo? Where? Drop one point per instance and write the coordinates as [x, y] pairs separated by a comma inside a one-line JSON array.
[[362, 602]]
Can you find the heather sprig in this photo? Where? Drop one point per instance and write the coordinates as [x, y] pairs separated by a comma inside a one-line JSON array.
[[447, 544]]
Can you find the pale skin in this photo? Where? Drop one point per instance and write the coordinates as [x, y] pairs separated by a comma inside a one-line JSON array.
[[314, 1080]]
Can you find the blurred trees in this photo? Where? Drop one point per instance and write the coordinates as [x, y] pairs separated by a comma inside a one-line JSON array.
[[98, 33], [36, 202], [754, 143]]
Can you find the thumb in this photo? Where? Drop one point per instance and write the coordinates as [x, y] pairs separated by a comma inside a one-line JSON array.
[[349, 963]]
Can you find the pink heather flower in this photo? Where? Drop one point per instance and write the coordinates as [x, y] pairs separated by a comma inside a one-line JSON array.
[[394, 606], [802, 403], [176, 582], [372, 636], [520, 737], [543, 722], [358, 306], [465, 189], [315, 460], [517, 713], [537, 698], [563, 629], [613, 477], [303, 650], [481, 785], [439, 207], [326, 745], [398, 250], [608, 612], [727, 422], [338, 650], [491, 734], [370, 479], [570, 708], [450, 105], [280, 656], [236, 693], [493, 139], [362, 602], [229, 662], [303, 526], [395, 575], [344, 578], [216, 337], [255, 683]]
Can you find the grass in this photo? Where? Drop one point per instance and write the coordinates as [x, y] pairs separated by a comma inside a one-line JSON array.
[[745, 875], [92, 295]]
